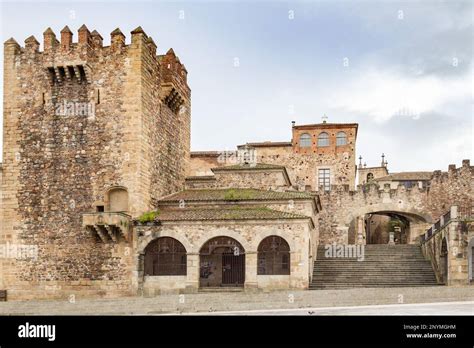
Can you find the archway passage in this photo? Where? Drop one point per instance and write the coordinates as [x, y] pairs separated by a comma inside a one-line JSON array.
[[380, 228], [222, 263], [386, 227]]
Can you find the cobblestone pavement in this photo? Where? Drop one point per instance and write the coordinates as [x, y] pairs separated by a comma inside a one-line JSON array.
[[244, 301]]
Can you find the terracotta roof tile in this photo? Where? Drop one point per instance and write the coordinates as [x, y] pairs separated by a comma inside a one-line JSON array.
[[235, 195], [234, 213], [200, 178], [406, 176], [248, 166], [267, 144]]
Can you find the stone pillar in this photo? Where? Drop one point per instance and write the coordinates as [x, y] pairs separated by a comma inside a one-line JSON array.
[[251, 270], [192, 274], [360, 230], [138, 275], [458, 273], [454, 212]]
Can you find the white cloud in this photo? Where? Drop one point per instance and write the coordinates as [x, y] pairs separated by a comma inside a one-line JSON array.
[[382, 94]]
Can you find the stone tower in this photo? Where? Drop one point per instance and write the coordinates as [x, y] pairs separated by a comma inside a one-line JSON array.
[[87, 128]]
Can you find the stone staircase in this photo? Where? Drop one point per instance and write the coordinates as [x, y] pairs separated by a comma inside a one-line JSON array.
[[383, 266]]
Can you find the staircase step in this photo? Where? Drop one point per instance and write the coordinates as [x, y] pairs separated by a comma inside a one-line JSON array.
[[382, 266]]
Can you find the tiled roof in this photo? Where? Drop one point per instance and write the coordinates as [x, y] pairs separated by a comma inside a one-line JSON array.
[[267, 144], [200, 177], [234, 195], [205, 153], [235, 213], [328, 125], [406, 176], [247, 166]]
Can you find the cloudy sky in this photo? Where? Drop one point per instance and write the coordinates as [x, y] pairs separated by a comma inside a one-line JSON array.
[[402, 70]]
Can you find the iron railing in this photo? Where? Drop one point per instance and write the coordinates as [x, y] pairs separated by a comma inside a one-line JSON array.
[[462, 213]]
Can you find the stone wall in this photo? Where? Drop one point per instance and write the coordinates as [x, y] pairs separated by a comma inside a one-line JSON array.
[[301, 163], [450, 249], [377, 172], [60, 163], [252, 178], [454, 187], [201, 163], [341, 206]]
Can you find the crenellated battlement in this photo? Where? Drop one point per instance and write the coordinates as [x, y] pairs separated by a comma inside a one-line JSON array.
[[86, 39], [453, 172], [67, 60]]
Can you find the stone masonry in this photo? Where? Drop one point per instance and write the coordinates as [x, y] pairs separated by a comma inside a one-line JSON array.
[[80, 119]]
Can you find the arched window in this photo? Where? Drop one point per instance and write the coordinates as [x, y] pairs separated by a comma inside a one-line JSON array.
[[305, 140], [323, 139], [165, 256], [341, 139], [118, 200], [273, 256], [370, 177]]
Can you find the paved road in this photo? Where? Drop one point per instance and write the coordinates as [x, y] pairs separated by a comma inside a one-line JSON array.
[[292, 302], [443, 308]]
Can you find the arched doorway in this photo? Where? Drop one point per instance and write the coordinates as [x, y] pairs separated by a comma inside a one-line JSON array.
[[222, 263]]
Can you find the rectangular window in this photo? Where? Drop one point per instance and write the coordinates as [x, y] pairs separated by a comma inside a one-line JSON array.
[[324, 176]]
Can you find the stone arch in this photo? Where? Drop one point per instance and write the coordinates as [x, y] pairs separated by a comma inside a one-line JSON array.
[[206, 247], [227, 232], [410, 213], [418, 220], [145, 241], [283, 234]]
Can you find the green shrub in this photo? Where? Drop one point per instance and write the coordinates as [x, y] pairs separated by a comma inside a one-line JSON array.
[[148, 216], [234, 195]]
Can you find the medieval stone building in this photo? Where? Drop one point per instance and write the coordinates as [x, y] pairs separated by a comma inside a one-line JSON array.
[[101, 195]]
